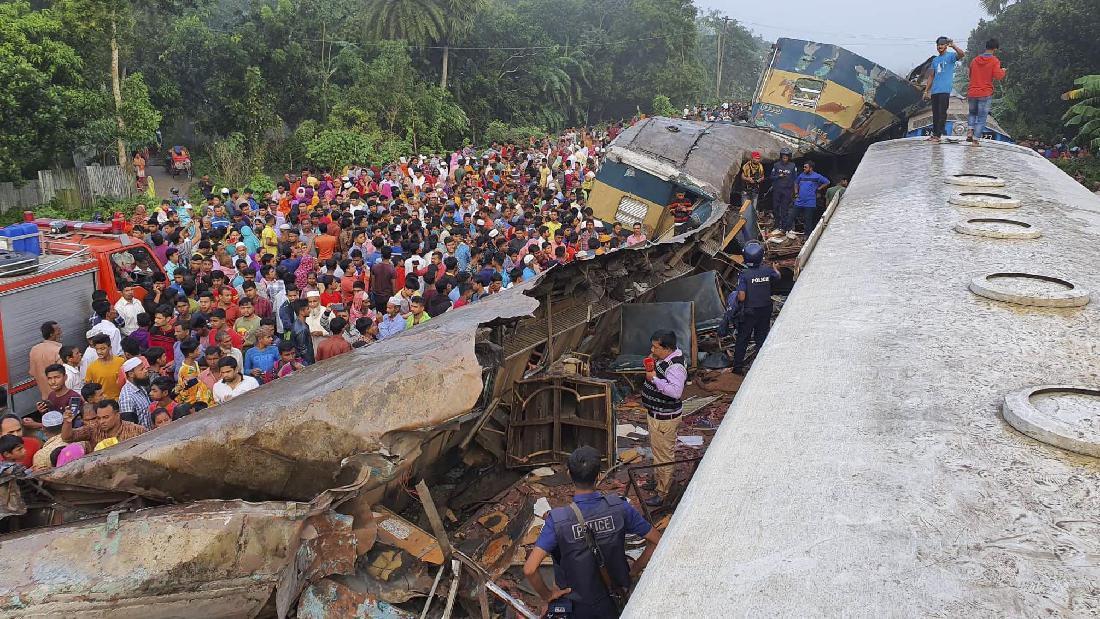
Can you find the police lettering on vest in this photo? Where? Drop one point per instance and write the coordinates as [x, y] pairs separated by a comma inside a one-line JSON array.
[[756, 282], [574, 566]]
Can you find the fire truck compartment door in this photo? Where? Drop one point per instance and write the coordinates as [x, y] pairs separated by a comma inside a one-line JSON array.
[[66, 300]]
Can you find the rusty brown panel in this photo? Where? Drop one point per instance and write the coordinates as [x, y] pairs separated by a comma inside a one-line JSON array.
[[327, 545], [336, 599], [206, 559], [553, 415]]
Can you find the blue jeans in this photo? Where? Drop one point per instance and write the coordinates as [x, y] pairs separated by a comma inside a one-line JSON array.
[[979, 112]]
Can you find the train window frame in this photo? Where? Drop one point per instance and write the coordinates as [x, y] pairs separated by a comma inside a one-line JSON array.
[[626, 216], [804, 95]]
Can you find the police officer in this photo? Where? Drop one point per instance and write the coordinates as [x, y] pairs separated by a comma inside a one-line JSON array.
[[782, 176], [579, 579], [754, 292]]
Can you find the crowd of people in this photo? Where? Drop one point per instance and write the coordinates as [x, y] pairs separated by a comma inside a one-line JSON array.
[[256, 287], [728, 111]]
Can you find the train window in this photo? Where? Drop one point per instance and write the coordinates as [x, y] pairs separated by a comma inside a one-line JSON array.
[[631, 211], [807, 92]]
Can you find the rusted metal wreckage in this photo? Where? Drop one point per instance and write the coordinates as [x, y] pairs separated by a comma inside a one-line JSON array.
[[267, 505]]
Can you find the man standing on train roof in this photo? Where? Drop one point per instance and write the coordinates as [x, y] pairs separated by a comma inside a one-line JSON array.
[[754, 293], [782, 177], [984, 70], [939, 82]]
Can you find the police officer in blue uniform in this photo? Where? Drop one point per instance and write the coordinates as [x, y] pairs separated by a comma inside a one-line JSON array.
[[754, 292], [782, 177], [581, 591]]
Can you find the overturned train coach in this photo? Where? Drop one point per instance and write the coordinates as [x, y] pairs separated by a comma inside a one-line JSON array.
[[254, 508], [830, 99], [650, 162]]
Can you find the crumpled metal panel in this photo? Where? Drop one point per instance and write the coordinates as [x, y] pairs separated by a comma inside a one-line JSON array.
[[707, 153], [288, 439], [207, 559], [335, 598], [11, 498]]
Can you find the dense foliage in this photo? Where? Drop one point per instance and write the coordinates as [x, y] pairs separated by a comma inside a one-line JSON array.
[[1045, 45], [277, 83], [1084, 116]]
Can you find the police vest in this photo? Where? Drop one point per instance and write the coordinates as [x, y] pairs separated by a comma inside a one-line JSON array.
[[574, 565], [652, 398], [757, 284]]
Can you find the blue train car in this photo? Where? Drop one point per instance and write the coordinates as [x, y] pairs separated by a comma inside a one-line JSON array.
[[958, 112]]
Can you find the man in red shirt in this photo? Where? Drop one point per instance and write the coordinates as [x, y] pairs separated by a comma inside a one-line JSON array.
[[11, 425], [334, 344], [324, 243], [984, 69], [228, 303]]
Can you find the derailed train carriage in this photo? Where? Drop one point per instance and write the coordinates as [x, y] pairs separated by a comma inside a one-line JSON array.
[[830, 99], [256, 507]]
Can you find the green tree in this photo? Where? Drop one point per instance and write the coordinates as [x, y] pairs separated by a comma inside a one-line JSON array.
[[742, 56], [104, 24], [1045, 44], [45, 100], [332, 149], [421, 22], [1085, 113], [663, 107]]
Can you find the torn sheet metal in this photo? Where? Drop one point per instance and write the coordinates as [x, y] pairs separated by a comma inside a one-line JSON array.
[[288, 439], [337, 598], [393, 530], [207, 559]]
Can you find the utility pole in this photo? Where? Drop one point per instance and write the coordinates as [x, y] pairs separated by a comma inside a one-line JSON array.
[[718, 60]]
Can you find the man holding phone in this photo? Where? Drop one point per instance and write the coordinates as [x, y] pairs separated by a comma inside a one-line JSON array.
[[59, 397], [665, 377]]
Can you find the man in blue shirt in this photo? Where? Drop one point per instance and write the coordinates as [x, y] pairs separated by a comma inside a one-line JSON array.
[[261, 358], [609, 519], [392, 323], [807, 186], [939, 82]]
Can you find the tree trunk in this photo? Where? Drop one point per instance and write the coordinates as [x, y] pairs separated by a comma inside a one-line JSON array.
[[116, 89], [446, 61]]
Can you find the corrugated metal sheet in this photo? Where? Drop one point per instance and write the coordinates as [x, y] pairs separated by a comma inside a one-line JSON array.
[[66, 300]]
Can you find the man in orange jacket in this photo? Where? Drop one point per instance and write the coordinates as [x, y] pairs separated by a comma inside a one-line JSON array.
[[984, 69]]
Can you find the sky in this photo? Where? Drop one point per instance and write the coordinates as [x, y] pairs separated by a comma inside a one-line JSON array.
[[897, 35]]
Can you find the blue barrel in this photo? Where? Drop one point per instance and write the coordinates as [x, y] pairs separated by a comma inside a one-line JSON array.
[[31, 244], [10, 231]]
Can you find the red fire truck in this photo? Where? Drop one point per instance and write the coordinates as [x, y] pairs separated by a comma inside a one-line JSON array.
[[74, 259]]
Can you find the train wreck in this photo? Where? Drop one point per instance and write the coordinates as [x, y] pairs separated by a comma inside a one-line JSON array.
[[286, 501]]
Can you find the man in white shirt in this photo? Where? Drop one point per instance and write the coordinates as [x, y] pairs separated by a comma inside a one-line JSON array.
[[128, 308], [233, 383], [71, 358], [106, 314]]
